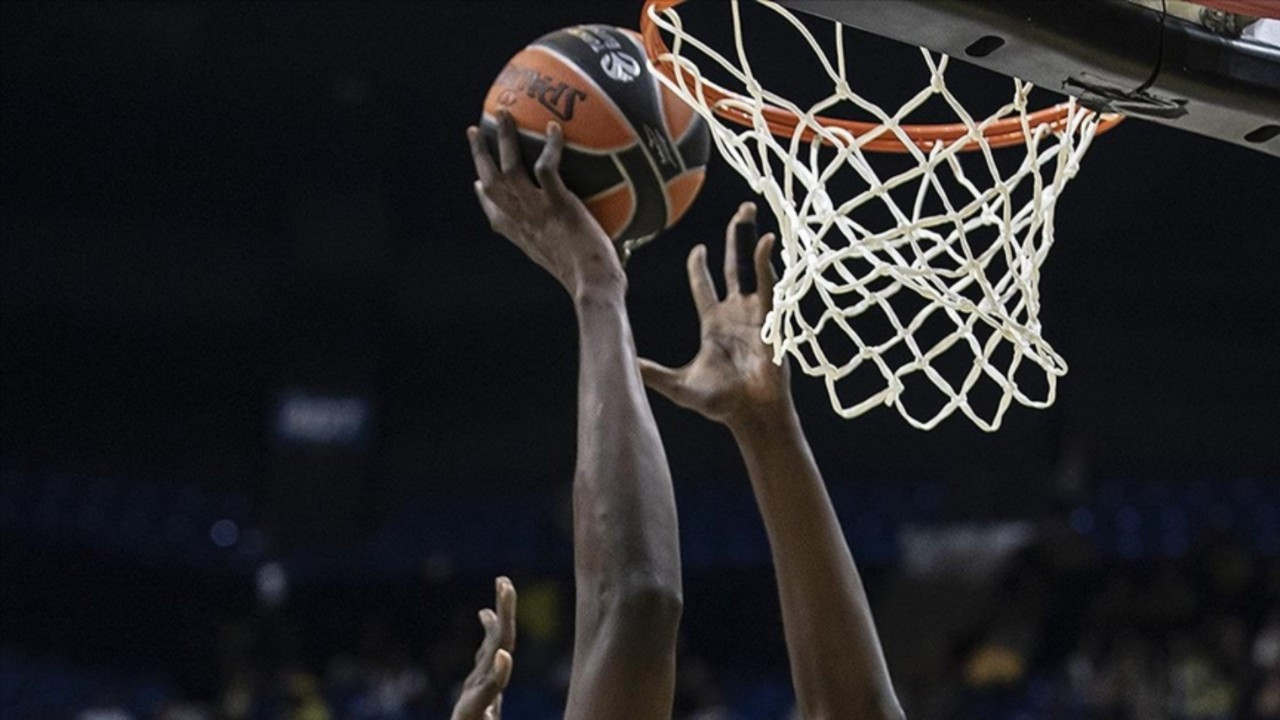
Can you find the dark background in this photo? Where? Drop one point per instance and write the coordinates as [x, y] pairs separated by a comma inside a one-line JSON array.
[[206, 205]]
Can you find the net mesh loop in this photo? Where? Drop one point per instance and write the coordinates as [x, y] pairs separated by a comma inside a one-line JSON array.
[[959, 251]]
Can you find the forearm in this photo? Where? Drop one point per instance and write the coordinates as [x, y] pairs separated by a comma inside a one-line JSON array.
[[624, 508], [626, 549], [836, 662]]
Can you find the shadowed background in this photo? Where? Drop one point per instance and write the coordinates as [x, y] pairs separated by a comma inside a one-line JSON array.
[[215, 216]]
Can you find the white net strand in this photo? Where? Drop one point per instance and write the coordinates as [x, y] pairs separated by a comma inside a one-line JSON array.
[[975, 264]]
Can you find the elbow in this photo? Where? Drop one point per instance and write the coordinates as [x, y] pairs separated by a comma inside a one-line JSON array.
[[642, 606], [650, 603], [636, 620]]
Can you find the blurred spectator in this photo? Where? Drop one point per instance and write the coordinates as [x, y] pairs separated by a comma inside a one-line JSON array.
[[1266, 664], [105, 711], [395, 687]]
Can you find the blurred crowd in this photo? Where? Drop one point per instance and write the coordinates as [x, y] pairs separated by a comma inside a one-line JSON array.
[[1060, 632], [1183, 639], [1139, 600]]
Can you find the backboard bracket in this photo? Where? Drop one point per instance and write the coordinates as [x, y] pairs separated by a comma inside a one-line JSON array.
[[1114, 54]]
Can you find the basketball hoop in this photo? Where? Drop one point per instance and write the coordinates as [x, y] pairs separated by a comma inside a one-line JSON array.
[[965, 247]]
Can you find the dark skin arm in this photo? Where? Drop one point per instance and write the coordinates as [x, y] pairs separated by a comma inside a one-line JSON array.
[[837, 665], [626, 550]]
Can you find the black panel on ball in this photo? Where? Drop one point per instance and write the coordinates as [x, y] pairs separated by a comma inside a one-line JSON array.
[[585, 174], [618, 67], [651, 202], [695, 145]]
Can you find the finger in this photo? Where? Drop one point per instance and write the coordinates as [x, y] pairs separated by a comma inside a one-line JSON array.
[[547, 169], [700, 283], [745, 239], [746, 215], [484, 653], [663, 380], [502, 666], [491, 210], [506, 617], [495, 682], [764, 270], [485, 169], [508, 143]]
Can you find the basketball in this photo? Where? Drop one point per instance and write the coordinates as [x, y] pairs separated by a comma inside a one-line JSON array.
[[634, 152]]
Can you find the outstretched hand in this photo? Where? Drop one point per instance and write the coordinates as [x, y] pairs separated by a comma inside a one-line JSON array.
[[545, 220], [481, 697], [732, 379]]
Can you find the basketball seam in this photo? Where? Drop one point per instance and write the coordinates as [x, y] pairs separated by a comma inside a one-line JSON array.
[[675, 144], [608, 190], [662, 112], [635, 198], [640, 143], [670, 207], [675, 150], [693, 122], [675, 141], [638, 42]]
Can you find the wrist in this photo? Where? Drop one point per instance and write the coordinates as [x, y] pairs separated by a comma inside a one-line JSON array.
[[598, 289], [763, 420], [597, 275]]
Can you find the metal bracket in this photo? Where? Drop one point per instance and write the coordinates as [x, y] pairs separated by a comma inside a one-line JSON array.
[[1113, 54]]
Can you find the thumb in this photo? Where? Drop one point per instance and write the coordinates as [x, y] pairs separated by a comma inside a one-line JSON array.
[[662, 379]]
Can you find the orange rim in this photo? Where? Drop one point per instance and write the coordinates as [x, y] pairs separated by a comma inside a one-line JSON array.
[[783, 122]]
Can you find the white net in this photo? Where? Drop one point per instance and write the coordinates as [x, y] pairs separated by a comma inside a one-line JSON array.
[[937, 289]]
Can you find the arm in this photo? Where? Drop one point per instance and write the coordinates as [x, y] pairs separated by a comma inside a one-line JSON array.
[[836, 662], [626, 550], [481, 697]]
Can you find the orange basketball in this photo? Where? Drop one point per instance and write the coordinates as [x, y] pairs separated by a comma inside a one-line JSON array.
[[634, 152]]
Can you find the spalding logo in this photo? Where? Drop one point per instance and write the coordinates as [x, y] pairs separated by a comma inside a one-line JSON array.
[[620, 66], [558, 97]]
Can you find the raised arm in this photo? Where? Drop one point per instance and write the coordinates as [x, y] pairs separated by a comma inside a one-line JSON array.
[[836, 662], [626, 548]]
